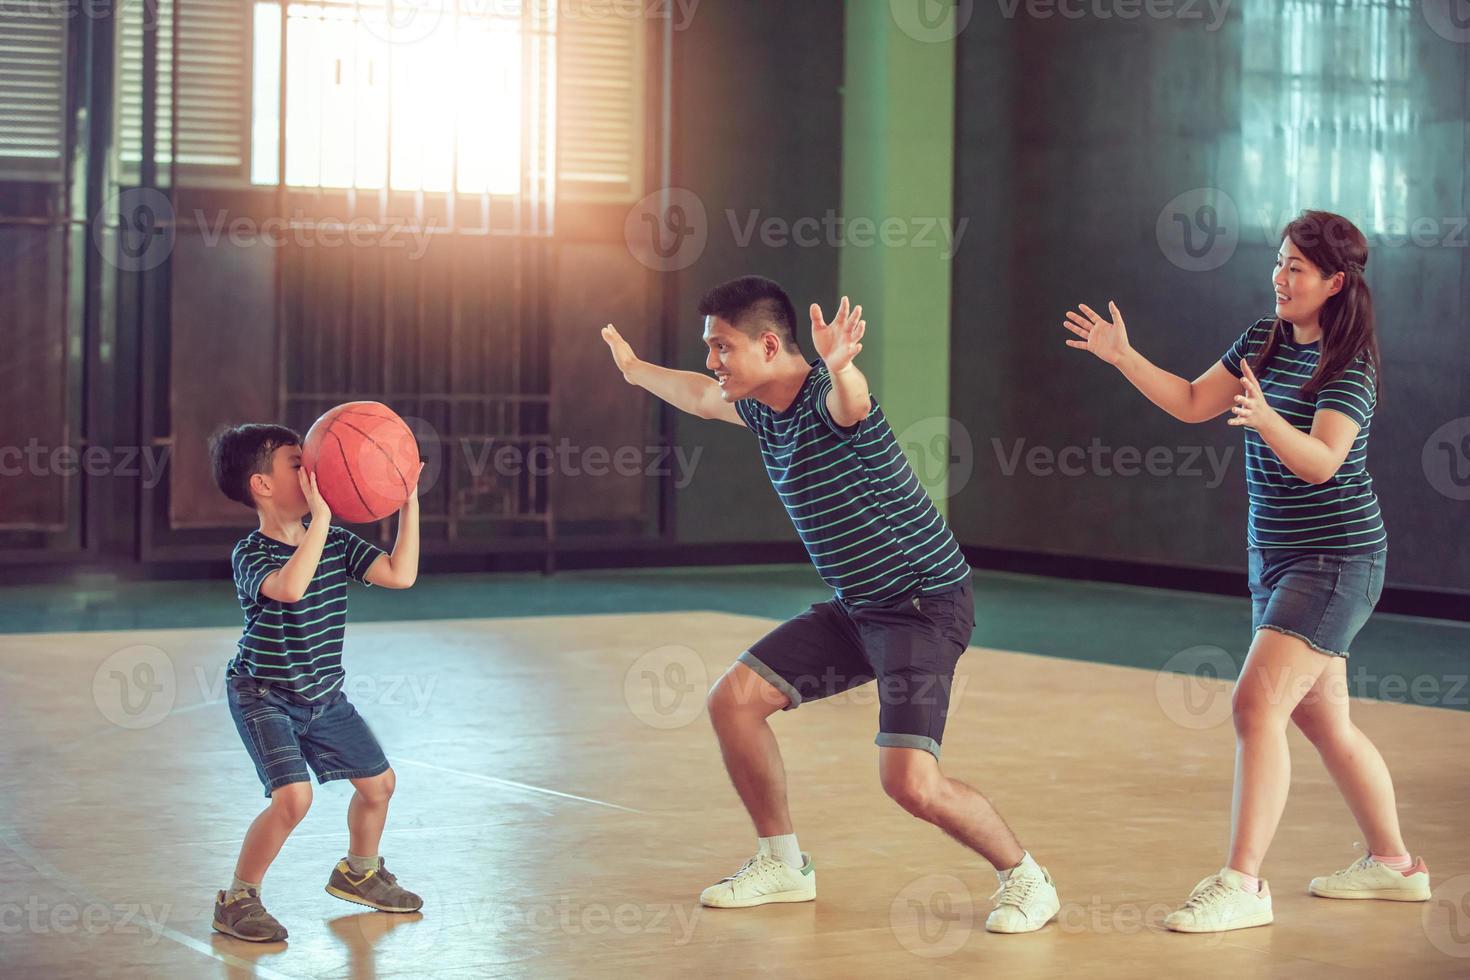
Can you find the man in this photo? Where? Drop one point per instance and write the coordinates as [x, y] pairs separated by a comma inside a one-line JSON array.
[[903, 609]]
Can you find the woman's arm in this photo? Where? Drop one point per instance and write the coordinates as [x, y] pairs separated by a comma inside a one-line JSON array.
[[1204, 398]]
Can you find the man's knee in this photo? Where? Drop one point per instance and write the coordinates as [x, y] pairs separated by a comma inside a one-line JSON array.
[[742, 695], [914, 788]]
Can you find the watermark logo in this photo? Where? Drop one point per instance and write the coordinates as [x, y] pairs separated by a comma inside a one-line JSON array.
[[1105, 10], [668, 230], [1096, 459], [400, 21], [932, 21], [941, 452], [1193, 687], [135, 687], [1198, 231], [665, 687], [145, 229], [1450, 19], [1445, 918], [932, 916], [1446, 459]]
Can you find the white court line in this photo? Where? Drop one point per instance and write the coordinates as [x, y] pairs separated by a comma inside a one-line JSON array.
[[195, 707], [497, 781], [45, 869]]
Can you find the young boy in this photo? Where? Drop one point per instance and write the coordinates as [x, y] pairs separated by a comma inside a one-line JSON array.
[[902, 613], [285, 682]]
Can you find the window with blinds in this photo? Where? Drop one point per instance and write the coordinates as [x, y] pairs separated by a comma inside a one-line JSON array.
[[500, 97], [600, 107], [32, 90], [210, 57]]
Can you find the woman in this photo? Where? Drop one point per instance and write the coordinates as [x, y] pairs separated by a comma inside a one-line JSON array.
[[1303, 385]]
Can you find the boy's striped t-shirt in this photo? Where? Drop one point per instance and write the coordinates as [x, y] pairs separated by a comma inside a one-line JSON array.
[[296, 647], [870, 528], [1340, 515]]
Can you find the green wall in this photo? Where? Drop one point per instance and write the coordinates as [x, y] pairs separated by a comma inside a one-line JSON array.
[[897, 167]]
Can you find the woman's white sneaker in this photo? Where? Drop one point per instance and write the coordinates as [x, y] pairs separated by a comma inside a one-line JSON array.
[[762, 880], [1219, 904], [1366, 878], [1025, 901]]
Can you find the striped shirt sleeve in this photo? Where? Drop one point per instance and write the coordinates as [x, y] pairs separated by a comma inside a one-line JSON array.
[[1353, 394], [357, 554], [745, 408], [251, 564], [820, 391], [1242, 346]]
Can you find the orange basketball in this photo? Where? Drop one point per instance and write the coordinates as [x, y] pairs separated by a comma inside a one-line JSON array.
[[364, 457]]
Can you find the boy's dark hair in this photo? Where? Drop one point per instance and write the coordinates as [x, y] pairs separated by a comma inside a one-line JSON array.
[[239, 453], [753, 304]]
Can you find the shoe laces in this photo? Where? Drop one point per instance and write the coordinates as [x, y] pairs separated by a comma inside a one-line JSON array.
[[1210, 890], [1015, 890], [759, 867], [1363, 862]]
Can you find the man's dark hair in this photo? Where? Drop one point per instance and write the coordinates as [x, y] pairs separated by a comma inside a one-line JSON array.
[[239, 453], [753, 304]]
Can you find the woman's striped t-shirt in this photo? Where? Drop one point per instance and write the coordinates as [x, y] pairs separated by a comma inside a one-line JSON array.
[[869, 527], [296, 647], [1340, 515]]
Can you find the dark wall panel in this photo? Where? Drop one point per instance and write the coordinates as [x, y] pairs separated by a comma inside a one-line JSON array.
[[1076, 139], [34, 431], [757, 134], [222, 365]]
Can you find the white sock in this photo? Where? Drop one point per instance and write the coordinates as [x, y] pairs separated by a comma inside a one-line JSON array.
[[1004, 873], [782, 847]]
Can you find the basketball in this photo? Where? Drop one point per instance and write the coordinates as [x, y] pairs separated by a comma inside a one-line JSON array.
[[364, 457]]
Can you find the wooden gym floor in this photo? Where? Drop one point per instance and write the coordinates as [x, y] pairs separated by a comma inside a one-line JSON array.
[[561, 802]]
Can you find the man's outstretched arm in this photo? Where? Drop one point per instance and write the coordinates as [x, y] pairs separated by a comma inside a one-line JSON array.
[[688, 391]]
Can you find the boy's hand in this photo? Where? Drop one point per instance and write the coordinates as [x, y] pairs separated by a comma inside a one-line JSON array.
[[838, 342], [622, 352], [411, 505], [320, 512]]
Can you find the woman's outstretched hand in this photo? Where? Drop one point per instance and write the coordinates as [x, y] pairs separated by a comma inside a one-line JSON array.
[[1108, 339]]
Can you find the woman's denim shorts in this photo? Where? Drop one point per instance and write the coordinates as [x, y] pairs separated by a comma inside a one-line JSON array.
[[1321, 598]]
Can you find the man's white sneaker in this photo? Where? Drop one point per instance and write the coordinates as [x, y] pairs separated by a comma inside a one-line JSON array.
[[762, 880], [1366, 878], [1025, 901], [1219, 904]]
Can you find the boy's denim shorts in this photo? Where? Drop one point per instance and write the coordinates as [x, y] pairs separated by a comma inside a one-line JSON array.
[[284, 737], [1320, 598]]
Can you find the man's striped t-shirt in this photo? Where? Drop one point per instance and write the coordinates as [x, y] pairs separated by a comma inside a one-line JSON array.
[[1340, 515], [296, 647], [869, 527]]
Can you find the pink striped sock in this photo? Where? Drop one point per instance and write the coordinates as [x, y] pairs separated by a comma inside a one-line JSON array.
[[1398, 862]]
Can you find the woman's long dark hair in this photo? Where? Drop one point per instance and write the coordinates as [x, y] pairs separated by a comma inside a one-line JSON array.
[[1333, 244]]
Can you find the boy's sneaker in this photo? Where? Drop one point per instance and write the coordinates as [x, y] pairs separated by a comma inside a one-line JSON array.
[[376, 889], [1025, 901], [1219, 904], [244, 917], [763, 879], [1366, 878]]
